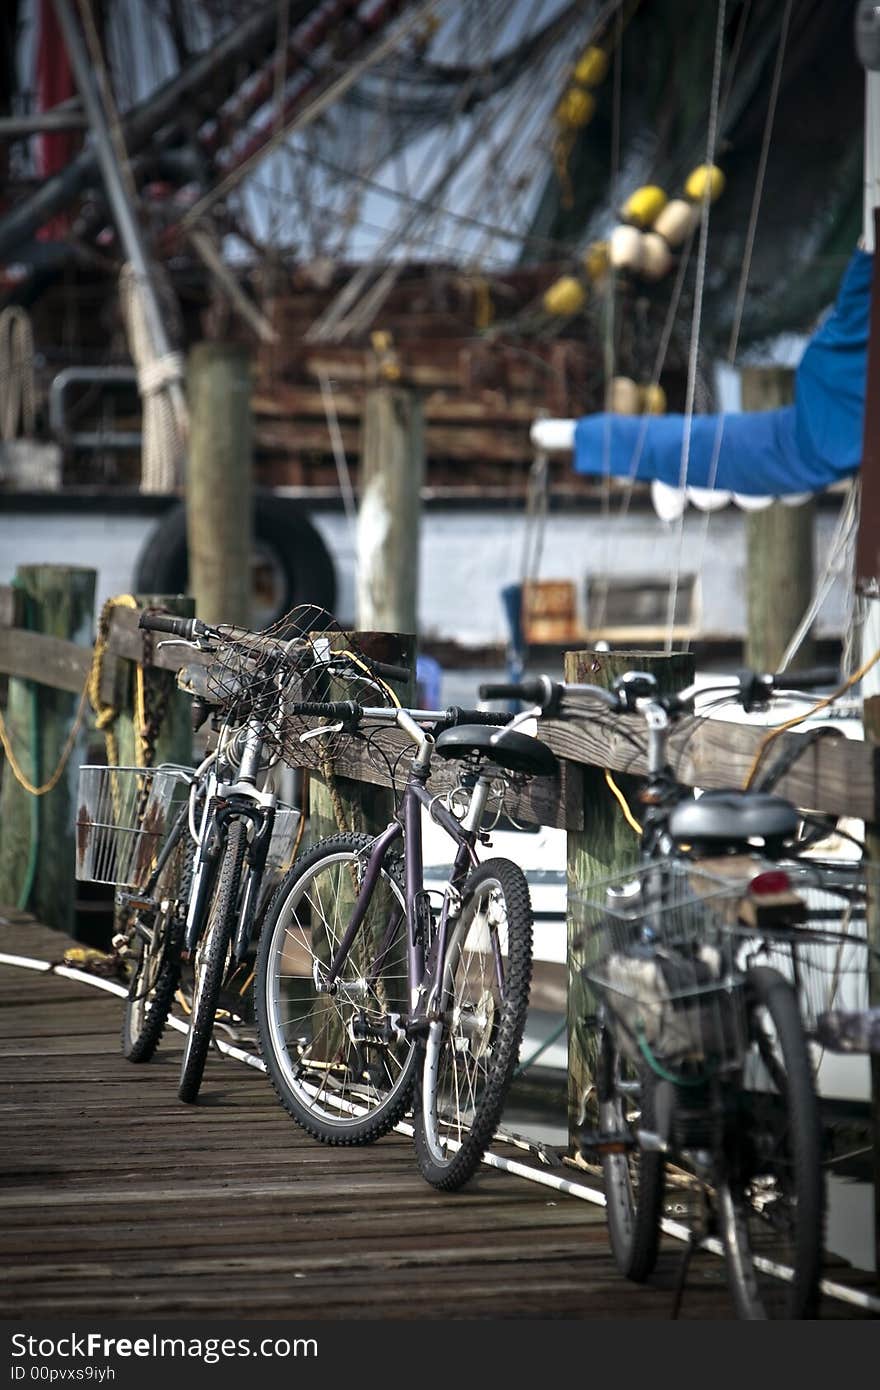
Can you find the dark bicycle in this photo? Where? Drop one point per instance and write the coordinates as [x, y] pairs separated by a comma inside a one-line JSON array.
[[701, 1059], [369, 994]]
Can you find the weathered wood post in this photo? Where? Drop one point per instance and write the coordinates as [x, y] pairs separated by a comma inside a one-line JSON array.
[[606, 845], [779, 549], [37, 841], [219, 501], [392, 467], [167, 708]]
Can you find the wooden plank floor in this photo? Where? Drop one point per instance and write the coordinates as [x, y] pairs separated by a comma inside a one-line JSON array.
[[116, 1199]]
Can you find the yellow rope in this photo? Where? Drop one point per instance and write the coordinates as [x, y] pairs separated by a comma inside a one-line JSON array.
[[17, 770], [106, 714], [618, 794], [792, 723]]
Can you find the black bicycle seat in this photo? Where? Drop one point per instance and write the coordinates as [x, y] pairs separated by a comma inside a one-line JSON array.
[[731, 818], [514, 751]]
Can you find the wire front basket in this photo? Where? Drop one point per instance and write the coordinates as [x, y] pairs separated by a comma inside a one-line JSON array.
[[827, 956], [304, 657], [123, 816], [656, 947]]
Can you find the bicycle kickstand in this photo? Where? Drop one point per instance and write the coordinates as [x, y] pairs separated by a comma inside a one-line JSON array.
[[684, 1264]]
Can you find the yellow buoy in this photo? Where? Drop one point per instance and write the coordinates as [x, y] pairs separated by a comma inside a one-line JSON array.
[[595, 259], [591, 66], [624, 397], [656, 256], [676, 222], [644, 205], [625, 248], [703, 177], [575, 109], [653, 400], [565, 296]]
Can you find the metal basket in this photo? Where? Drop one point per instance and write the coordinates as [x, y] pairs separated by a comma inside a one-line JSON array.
[[123, 816], [827, 957], [657, 947], [292, 662]]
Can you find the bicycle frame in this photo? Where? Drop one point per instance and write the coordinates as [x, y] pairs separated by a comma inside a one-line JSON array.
[[424, 980]]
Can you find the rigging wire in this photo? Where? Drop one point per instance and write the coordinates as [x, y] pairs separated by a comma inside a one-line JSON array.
[[711, 142]]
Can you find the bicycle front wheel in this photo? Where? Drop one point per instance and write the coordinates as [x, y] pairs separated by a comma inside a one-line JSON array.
[[155, 937], [771, 1196], [634, 1178], [469, 1057], [340, 1062], [211, 962]]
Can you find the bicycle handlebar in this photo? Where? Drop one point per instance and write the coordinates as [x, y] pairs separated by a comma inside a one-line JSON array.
[[187, 628], [754, 688]]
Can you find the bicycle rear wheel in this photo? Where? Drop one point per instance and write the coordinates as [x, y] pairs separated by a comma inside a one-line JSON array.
[[469, 1058], [155, 936], [634, 1178], [211, 962], [771, 1198], [340, 1063]]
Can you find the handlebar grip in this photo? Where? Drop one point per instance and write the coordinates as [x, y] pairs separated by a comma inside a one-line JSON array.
[[455, 715], [813, 679], [336, 709], [389, 672], [164, 622], [533, 692]]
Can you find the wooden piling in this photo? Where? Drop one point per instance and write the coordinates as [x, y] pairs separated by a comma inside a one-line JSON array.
[[779, 549], [392, 468], [219, 501], [606, 845], [168, 707], [37, 843]]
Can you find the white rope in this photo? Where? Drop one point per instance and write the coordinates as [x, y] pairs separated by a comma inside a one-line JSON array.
[[837, 562], [744, 278], [698, 312], [17, 409], [163, 430]]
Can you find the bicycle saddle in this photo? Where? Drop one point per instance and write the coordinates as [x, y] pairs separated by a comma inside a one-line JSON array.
[[516, 752], [722, 818]]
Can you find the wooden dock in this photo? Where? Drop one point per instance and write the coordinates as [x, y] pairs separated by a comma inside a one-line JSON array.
[[118, 1200]]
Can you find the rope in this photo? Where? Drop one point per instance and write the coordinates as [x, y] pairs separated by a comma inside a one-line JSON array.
[[698, 310], [107, 714], [15, 766], [162, 431], [17, 392]]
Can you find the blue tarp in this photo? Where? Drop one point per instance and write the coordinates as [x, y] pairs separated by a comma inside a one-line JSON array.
[[801, 448]]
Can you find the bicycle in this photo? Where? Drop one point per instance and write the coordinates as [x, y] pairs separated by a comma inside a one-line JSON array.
[[702, 1064], [192, 851], [367, 994]]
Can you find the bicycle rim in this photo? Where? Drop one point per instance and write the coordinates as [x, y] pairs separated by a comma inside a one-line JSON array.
[[634, 1179], [771, 1200], [469, 1058], [339, 1062]]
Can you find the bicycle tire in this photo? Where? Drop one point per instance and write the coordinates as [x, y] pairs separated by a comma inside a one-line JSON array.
[[156, 962], [779, 1152], [634, 1179], [468, 1061], [339, 1088], [211, 959]]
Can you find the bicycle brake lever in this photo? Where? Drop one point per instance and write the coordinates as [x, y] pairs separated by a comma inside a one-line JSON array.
[[324, 729]]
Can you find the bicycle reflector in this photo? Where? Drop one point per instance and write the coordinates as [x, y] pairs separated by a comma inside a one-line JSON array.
[[771, 900]]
